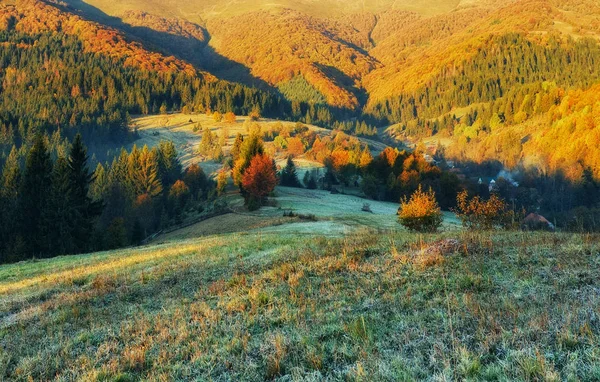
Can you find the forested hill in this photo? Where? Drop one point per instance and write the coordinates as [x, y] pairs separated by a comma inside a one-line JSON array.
[[482, 77]]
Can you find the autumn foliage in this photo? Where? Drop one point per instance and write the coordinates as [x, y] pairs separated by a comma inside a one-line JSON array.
[[34, 17], [479, 214], [259, 179], [421, 212]]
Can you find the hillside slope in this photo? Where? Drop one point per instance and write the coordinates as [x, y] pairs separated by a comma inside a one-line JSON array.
[[34, 17], [274, 306], [386, 63]]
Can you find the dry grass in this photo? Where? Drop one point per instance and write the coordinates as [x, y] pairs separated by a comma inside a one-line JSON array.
[[500, 306]]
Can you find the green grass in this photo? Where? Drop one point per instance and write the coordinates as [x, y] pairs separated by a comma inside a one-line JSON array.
[[504, 306]]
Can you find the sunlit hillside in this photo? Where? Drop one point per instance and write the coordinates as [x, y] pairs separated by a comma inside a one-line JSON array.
[[299, 190], [198, 10]]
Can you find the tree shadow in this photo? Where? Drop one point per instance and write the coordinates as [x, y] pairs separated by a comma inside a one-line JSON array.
[[343, 80]]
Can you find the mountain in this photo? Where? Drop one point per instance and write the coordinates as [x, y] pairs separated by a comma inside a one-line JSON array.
[[426, 68]]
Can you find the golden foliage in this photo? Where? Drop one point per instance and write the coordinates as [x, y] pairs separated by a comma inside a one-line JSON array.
[[278, 46], [33, 16], [421, 213], [479, 214], [423, 48]]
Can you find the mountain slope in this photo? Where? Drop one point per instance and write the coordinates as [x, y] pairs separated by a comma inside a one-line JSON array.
[[32, 17], [385, 61], [278, 46], [202, 10]]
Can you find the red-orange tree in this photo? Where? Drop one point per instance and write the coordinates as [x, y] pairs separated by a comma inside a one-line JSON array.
[[259, 179]]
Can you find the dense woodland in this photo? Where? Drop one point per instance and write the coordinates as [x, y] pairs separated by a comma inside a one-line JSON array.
[[504, 70], [94, 94], [58, 205]]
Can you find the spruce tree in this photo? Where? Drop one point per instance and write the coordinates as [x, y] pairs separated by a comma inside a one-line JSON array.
[[9, 192], [169, 165], [289, 176], [207, 142], [85, 209], [62, 210], [237, 147], [34, 213], [146, 177]]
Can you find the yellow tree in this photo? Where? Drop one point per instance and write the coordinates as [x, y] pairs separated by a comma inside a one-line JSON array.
[[147, 180]]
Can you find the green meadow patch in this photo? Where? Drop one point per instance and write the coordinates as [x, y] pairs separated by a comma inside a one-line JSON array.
[[277, 306]]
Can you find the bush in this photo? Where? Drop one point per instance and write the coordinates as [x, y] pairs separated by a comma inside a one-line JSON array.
[[421, 213], [479, 214], [229, 117]]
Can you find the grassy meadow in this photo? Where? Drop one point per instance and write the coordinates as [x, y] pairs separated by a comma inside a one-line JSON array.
[[179, 129], [276, 306]]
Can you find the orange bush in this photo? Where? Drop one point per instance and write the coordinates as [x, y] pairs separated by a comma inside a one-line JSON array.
[[478, 214], [230, 117], [421, 213]]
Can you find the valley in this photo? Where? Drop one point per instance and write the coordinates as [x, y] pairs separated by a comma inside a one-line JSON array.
[[253, 190]]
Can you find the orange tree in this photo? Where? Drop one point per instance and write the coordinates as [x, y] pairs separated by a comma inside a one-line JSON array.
[[421, 213], [479, 214], [259, 180]]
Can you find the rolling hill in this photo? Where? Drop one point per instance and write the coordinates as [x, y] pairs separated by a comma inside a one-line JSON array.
[[279, 305], [413, 65], [242, 167]]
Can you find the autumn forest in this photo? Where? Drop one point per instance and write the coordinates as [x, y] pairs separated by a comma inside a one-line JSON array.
[[456, 97]]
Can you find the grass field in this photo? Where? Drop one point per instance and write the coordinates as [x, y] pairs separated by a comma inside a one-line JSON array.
[[323, 213], [179, 128], [260, 305]]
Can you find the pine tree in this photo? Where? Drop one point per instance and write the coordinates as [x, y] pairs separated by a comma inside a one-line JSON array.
[[9, 193], [11, 177], [63, 212], [207, 143], [147, 180], [221, 182], [34, 200], [99, 186], [237, 147], [85, 209], [169, 165], [289, 175]]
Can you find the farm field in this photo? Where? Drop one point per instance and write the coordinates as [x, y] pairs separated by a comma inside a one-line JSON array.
[[271, 305]]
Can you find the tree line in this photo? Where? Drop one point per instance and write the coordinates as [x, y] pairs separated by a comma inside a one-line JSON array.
[[56, 206]]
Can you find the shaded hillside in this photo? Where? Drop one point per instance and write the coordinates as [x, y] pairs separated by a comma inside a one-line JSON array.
[[32, 17], [277, 46]]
